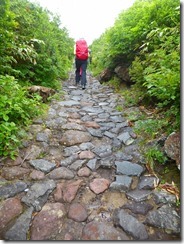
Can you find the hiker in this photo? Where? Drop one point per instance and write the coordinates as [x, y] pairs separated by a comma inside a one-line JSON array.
[[81, 60]]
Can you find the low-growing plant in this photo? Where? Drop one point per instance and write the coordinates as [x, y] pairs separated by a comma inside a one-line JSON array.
[[115, 83], [119, 108], [149, 128], [154, 154]]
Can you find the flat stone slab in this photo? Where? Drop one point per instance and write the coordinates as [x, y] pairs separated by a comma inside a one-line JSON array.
[[11, 189], [122, 183], [126, 138], [131, 225], [138, 207], [138, 195], [128, 168], [102, 231], [69, 103], [38, 194], [148, 182], [74, 137], [43, 165], [166, 218]]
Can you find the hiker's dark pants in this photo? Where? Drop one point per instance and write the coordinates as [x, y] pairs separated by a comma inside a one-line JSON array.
[[80, 64]]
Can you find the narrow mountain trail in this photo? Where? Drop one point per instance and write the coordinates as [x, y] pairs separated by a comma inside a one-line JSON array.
[[80, 176]]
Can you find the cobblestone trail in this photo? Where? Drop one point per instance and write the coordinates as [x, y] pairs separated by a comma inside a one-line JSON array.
[[80, 176]]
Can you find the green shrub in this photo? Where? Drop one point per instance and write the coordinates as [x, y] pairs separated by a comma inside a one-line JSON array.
[[16, 110]]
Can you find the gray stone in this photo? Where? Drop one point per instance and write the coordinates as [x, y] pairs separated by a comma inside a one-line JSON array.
[[19, 231], [122, 183], [69, 103], [125, 138], [106, 162], [68, 151], [67, 161], [139, 195], [99, 150], [94, 110], [92, 164], [109, 134], [116, 119], [95, 132], [138, 207], [11, 189], [128, 168], [116, 144], [131, 225], [61, 173], [42, 137], [86, 146], [166, 218], [104, 116], [123, 156], [38, 194], [43, 165], [148, 182], [161, 196], [77, 164], [107, 126]]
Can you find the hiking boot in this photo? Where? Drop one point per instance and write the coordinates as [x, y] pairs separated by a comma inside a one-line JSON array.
[[83, 87]]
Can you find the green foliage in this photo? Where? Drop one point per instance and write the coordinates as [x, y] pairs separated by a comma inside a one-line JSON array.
[[150, 128], [115, 83], [146, 39], [153, 156], [16, 109], [34, 49]]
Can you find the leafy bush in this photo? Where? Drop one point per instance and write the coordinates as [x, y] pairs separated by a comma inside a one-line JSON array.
[[16, 110], [146, 39]]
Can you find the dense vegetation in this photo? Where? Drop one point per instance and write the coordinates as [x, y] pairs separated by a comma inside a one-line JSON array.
[[34, 50], [146, 39]]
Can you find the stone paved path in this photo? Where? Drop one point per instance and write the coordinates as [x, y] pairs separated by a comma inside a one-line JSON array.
[[80, 176]]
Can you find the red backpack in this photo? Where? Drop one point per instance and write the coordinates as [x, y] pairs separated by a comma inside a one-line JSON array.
[[81, 49]]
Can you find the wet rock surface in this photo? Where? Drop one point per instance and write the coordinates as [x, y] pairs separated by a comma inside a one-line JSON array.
[[81, 176]]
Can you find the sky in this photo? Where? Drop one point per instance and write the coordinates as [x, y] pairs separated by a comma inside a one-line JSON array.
[[86, 18]]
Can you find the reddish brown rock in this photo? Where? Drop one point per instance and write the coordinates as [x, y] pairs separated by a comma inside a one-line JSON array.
[[102, 231], [16, 172], [15, 162], [105, 75], [172, 147], [9, 209], [99, 185], [58, 195], [74, 116], [77, 212], [48, 222], [84, 172], [92, 124], [70, 190], [68, 237], [43, 91], [37, 175], [86, 154], [74, 137]]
